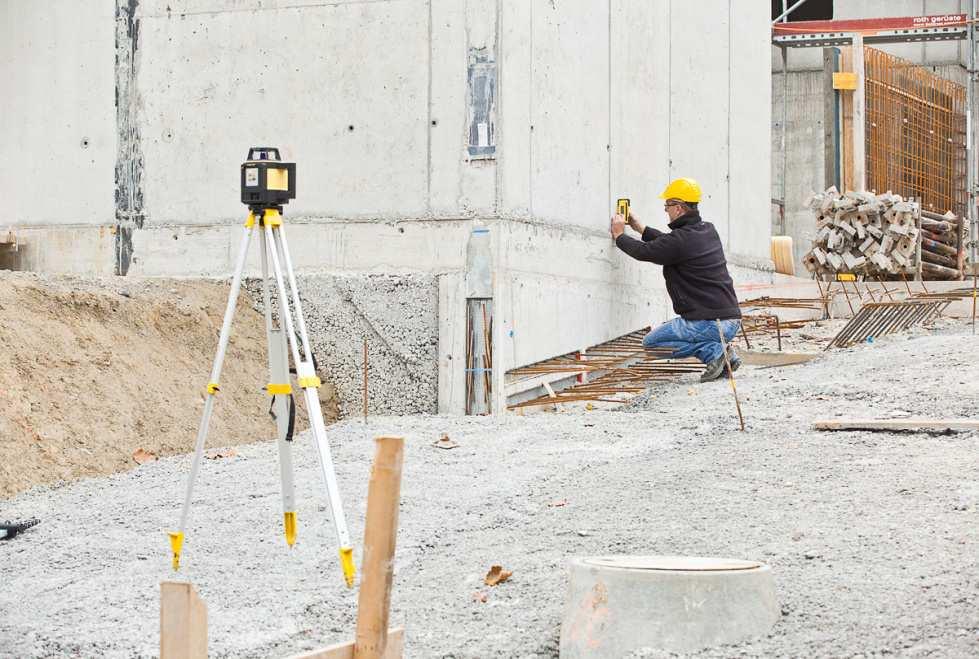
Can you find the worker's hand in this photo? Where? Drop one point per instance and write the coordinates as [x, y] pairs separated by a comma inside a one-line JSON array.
[[618, 226], [636, 225]]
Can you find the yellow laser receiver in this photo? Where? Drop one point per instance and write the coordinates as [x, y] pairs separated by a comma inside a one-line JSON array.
[[622, 208]]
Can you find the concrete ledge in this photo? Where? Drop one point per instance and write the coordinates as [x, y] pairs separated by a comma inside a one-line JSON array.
[[618, 605]]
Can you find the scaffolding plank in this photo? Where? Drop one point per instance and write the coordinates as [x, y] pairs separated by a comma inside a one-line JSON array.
[[898, 424]]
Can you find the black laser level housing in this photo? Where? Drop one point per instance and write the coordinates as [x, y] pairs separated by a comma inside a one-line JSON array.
[[266, 181]]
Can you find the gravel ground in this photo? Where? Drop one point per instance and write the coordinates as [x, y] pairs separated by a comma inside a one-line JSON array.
[[871, 536]]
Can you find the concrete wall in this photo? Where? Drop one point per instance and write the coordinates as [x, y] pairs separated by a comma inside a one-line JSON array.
[[58, 130], [622, 125], [379, 104]]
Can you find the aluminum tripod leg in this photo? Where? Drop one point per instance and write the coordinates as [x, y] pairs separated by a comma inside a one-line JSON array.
[[281, 390], [177, 537], [310, 383]]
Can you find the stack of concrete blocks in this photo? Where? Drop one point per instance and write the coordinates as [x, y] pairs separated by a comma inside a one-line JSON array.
[[864, 234], [413, 124]]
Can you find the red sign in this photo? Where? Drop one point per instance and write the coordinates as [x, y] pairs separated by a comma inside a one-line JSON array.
[[871, 25]]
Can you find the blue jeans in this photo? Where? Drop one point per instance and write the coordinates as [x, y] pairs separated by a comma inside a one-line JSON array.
[[692, 337]]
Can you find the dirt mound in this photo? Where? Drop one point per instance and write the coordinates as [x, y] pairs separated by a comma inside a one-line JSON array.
[[93, 369]]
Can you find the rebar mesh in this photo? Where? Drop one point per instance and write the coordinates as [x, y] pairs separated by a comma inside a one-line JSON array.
[[915, 132]]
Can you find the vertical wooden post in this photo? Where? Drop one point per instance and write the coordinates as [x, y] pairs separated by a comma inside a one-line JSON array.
[[830, 129], [183, 622], [380, 536], [859, 118]]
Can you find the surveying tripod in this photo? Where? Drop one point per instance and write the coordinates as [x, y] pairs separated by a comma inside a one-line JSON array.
[[275, 248]]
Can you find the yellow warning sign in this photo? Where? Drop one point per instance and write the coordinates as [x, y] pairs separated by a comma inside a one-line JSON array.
[[844, 80]]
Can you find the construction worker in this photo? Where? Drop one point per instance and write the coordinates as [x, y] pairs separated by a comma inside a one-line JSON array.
[[696, 275]]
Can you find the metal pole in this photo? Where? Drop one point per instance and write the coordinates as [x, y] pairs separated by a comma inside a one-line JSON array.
[[279, 253], [971, 157], [730, 372], [786, 12], [970, 148], [785, 129], [177, 537]]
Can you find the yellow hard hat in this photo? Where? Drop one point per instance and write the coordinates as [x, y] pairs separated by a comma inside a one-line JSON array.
[[684, 189]]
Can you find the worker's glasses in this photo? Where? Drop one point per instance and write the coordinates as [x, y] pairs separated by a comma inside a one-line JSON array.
[[667, 205]]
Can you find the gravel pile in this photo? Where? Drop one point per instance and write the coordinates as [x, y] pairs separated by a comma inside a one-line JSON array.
[[871, 536], [398, 314]]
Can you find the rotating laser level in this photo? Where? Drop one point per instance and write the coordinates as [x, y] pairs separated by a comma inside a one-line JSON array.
[[267, 184], [266, 181]]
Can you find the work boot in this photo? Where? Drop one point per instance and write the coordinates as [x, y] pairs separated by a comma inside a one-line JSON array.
[[715, 368], [734, 359]]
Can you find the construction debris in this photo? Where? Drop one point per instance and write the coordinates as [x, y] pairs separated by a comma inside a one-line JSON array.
[[141, 456], [863, 233], [444, 442], [882, 318], [496, 575], [9, 529], [611, 372], [774, 359], [217, 454], [890, 425]]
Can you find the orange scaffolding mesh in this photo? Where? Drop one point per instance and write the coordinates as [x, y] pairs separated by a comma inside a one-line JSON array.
[[915, 132]]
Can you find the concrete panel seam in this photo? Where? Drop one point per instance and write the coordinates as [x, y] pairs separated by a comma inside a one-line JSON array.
[[669, 89], [530, 116], [608, 149], [129, 156], [730, 58], [428, 132], [497, 39]]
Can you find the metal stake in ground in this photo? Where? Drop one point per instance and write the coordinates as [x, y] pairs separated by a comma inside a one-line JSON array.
[[365, 380], [730, 373], [975, 283]]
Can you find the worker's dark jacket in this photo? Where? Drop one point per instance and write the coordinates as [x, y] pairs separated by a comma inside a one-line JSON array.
[[693, 266]]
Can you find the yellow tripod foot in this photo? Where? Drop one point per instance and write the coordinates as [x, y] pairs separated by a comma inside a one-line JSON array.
[[290, 526], [176, 544], [347, 563]]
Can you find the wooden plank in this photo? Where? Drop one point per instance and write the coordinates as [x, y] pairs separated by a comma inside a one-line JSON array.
[[897, 424], [380, 536], [772, 359], [183, 622], [394, 649]]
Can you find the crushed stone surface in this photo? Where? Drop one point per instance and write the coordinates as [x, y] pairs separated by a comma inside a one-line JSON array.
[[397, 314], [871, 536]]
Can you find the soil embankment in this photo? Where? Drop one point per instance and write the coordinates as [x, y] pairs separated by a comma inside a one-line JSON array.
[[93, 369]]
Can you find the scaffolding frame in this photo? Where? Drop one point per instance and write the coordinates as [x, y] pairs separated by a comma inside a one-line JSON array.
[[856, 33]]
